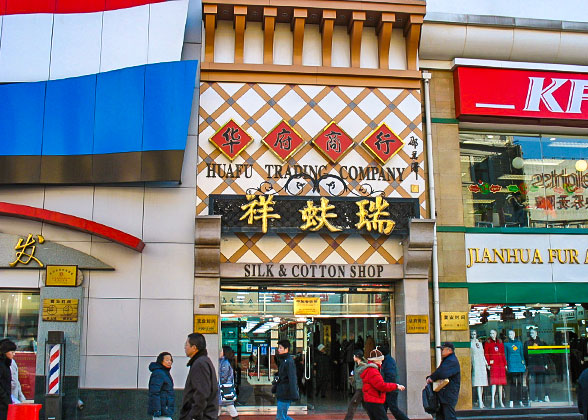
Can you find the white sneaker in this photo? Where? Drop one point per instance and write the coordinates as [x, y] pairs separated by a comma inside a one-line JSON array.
[[546, 398]]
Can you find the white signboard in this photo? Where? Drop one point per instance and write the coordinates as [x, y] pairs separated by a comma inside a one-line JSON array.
[[526, 258]]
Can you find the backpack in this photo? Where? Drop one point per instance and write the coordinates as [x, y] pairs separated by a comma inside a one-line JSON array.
[[430, 401]]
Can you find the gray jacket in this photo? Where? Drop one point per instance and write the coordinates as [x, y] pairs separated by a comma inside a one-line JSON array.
[[201, 391], [359, 368]]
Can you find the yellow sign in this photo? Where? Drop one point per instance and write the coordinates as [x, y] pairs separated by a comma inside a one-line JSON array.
[[25, 250], [61, 275], [454, 321], [60, 310], [206, 324], [307, 306], [417, 324]]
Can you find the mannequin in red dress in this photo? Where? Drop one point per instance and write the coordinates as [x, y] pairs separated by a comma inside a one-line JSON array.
[[494, 352]]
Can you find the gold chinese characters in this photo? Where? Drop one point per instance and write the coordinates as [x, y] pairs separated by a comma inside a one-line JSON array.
[[25, 250], [372, 214]]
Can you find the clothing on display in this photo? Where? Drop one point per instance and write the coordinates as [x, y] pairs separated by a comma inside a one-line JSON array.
[[479, 364], [494, 352]]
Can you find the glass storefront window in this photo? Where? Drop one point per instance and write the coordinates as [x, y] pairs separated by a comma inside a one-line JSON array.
[[19, 321], [524, 181], [529, 356]]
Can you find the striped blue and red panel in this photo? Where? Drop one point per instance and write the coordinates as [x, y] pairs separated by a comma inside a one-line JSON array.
[[109, 108]]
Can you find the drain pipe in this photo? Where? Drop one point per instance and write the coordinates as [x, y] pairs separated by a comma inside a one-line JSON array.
[[433, 213]]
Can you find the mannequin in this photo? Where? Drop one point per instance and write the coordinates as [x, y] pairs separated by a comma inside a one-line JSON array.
[[515, 365], [537, 366], [479, 367], [494, 352]]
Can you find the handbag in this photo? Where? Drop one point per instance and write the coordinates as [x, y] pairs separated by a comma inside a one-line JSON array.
[[440, 384], [275, 384], [227, 392]]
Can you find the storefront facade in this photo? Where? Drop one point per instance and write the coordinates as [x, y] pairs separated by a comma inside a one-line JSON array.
[[312, 220], [509, 129]]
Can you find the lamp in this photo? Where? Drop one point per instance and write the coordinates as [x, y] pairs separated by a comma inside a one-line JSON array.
[[518, 162], [581, 165]]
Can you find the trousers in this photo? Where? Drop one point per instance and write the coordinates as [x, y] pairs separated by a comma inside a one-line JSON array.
[[446, 412], [282, 413], [392, 405], [375, 411], [515, 380], [536, 386], [355, 401]]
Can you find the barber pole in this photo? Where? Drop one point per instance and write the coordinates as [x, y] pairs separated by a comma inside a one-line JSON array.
[[54, 368]]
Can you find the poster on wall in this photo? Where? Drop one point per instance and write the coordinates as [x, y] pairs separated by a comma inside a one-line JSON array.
[[27, 367]]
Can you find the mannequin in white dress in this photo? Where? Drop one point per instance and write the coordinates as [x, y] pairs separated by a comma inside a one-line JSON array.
[[479, 367]]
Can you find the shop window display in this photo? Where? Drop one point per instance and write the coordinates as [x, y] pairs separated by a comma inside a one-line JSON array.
[[19, 320], [524, 181], [527, 356]]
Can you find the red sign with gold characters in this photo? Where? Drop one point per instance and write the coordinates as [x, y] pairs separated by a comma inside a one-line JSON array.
[[333, 142], [283, 140], [383, 143], [231, 139]]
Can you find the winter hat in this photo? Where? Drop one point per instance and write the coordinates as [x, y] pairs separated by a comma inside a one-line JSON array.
[[6, 345], [358, 353], [321, 347], [375, 356]]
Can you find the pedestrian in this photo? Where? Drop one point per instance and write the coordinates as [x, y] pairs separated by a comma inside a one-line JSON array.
[[322, 368], [448, 369], [360, 365], [582, 393], [161, 405], [226, 377], [201, 390], [374, 388], [285, 383], [7, 349], [389, 373]]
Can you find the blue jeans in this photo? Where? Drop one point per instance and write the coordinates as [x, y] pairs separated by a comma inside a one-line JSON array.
[[282, 413]]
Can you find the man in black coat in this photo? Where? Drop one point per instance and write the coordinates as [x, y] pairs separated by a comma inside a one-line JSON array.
[[201, 391], [389, 373], [582, 391], [322, 369], [448, 369], [286, 387]]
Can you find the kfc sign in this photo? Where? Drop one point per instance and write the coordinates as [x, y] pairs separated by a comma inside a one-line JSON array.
[[521, 94]]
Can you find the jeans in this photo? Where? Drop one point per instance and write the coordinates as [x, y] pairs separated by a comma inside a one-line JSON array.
[[282, 413], [392, 405], [536, 386], [446, 412], [515, 379]]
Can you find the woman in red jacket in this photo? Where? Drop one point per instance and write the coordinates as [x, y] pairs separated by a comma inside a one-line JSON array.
[[374, 388]]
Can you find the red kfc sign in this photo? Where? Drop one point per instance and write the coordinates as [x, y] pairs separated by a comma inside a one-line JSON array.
[[520, 94]]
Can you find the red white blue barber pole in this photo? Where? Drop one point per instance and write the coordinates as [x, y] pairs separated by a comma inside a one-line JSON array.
[[54, 369]]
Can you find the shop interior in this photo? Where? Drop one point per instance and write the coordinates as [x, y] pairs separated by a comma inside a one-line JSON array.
[[253, 321], [527, 355]]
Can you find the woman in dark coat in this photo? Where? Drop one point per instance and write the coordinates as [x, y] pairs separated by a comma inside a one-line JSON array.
[[7, 349], [161, 388]]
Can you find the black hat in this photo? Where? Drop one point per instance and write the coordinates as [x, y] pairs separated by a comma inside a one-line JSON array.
[[6, 345], [447, 344], [358, 353]]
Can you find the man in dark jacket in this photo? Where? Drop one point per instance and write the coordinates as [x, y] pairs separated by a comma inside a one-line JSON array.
[[389, 374], [448, 369], [322, 368], [582, 391], [201, 391], [286, 388]]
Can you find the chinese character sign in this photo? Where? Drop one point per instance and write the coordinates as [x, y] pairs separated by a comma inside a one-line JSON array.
[[383, 143], [283, 141], [317, 217], [454, 321], [25, 250], [370, 216], [231, 139], [333, 142], [259, 208], [417, 324]]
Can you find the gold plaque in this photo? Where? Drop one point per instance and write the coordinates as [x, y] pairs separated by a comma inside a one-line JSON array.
[[307, 306], [60, 310], [454, 321], [206, 324], [61, 275], [417, 324]]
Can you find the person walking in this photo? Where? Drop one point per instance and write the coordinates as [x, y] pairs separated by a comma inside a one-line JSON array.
[[448, 369], [161, 404], [7, 349], [226, 377], [375, 389], [285, 383], [322, 368], [360, 365], [389, 373], [201, 390]]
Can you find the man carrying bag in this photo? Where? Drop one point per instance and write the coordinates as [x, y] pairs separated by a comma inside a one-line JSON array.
[[447, 394]]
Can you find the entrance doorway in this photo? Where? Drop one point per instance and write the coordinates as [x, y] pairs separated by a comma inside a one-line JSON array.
[[253, 321]]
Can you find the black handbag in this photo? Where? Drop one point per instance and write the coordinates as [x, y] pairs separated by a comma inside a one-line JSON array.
[[275, 384]]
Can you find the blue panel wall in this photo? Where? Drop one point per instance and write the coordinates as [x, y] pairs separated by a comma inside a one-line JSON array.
[[69, 116], [21, 118], [168, 100]]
